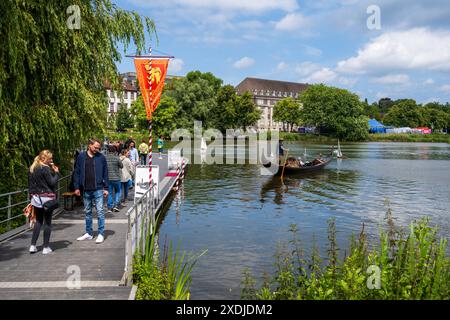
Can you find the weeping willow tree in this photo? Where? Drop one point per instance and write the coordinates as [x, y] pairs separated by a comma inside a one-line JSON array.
[[55, 57]]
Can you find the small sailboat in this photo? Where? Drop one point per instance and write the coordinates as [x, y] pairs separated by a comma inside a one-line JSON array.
[[203, 145], [339, 152]]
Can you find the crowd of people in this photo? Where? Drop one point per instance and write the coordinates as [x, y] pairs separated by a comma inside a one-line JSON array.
[[96, 176]]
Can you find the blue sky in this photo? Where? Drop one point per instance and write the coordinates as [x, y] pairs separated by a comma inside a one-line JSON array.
[[311, 41]]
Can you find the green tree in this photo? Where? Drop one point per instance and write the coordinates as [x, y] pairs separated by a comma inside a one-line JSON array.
[[372, 111], [165, 116], [385, 104], [124, 119], [111, 121], [137, 110], [52, 76], [336, 111], [287, 111], [247, 114], [196, 97], [404, 113], [224, 116], [434, 115]]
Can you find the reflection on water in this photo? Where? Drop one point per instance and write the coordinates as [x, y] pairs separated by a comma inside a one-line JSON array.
[[240, 216]]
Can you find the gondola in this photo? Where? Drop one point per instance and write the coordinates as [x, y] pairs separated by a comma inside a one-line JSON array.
[[303, 169]]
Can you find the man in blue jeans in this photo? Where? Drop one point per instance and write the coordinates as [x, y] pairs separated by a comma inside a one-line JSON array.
[[91, 175]]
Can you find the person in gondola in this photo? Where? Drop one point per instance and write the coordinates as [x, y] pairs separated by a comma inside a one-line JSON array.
[[281, 147], [281, 151]]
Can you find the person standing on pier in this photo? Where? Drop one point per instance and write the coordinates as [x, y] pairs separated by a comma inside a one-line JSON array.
[[160, 145], [134, 156], [91, 177], [143, 152], [127, 173], [42, 180], [114, 176]]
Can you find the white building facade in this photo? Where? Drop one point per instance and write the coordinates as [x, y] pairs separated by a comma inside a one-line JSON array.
[[266, 93], [125, 97]]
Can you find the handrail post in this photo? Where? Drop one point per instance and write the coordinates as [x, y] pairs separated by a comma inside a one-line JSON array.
[[9, 213], [59, 191]]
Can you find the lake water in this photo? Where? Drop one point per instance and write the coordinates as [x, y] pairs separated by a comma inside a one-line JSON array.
[[241, 216]]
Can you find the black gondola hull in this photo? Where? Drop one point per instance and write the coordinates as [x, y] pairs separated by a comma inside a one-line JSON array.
[[301, 170]]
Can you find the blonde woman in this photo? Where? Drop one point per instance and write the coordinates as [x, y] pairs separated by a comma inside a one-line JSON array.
[[42, 181], [127, 173]]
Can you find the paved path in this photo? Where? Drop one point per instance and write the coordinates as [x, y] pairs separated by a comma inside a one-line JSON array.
[[101, 266]]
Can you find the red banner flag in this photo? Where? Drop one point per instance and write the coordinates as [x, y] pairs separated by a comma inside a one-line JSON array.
[[154, 75]]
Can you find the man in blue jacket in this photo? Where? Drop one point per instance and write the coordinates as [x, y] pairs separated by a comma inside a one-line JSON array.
[[91, 176]]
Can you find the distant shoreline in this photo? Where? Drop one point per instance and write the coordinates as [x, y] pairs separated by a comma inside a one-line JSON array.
[[377, 137]]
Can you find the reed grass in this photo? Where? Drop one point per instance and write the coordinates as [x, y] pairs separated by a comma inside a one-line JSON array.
[[413, 265], [168, 278]]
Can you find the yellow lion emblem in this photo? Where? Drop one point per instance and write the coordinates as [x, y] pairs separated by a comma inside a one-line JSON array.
[[155, 74]]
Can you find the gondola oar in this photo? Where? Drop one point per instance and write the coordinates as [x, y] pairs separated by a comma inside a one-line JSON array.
[[284, 165]]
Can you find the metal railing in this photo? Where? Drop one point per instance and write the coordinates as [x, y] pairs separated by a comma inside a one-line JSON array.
[[141, 221], [62, 186]]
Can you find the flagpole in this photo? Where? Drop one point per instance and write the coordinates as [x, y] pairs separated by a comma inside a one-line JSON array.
[[148, 93], [150, 142]]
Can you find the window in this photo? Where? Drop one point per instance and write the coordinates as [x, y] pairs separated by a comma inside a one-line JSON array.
[[111, 107]]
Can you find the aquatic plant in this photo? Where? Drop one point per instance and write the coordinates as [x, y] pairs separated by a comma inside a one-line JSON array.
[[403, 265], [168, 278]]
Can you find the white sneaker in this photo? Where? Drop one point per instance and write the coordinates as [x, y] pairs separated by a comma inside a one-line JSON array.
[[46, 250], [100, 239], [85, 236], [33, 249]]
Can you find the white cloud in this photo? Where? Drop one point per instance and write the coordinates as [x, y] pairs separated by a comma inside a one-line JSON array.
[[226, 5], [428, 81], [315, 73], [315, 52], [349, 82], [417, 48], [292, 22], [392, 79], [445, 88], [175, 66], [245, 62], [381, 95], [282, 66], [249, 25], [306, 68], [324, 75], [431, 100]]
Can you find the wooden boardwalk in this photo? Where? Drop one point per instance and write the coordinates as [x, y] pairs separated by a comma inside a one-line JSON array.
[[100, 266]]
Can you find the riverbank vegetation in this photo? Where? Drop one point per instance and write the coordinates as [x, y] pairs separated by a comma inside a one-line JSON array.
[[166, 278], [408, 137], [410, 264], [408, 113]]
